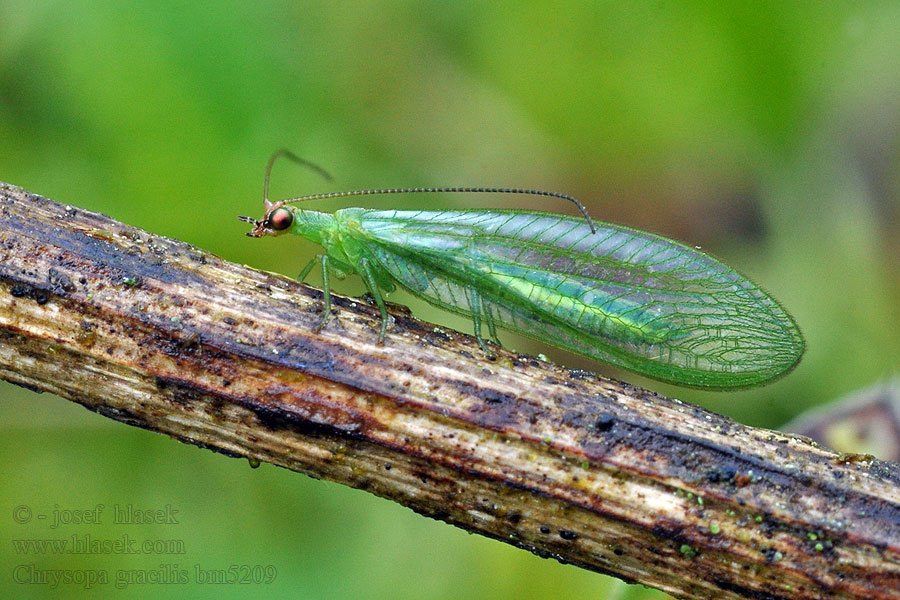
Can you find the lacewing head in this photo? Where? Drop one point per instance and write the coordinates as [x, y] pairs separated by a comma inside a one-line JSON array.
[[278, 219]]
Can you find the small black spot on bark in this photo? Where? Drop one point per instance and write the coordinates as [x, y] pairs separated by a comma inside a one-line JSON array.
[[26, 291], [770, 554], [604, 422], [60, 281], [20, 291], [722, 474]]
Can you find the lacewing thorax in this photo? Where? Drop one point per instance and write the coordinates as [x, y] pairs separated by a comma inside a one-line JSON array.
[[615, 294]]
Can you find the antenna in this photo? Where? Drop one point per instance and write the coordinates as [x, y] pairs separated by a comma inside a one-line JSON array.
[[409, 190], [301, 161]]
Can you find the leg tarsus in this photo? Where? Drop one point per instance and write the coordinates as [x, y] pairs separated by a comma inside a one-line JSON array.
[[492, 328], [372, 284], [484, 347], [475, 305]]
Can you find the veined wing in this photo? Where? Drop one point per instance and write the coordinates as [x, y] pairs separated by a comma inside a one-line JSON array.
[[620, 295]]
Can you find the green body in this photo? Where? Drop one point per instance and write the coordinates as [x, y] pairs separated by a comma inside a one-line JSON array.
[[622, 296]]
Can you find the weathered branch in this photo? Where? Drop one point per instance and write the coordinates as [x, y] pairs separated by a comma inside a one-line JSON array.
[[158, 334]]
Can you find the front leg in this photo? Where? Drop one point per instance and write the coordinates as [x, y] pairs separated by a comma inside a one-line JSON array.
[[326, 286]]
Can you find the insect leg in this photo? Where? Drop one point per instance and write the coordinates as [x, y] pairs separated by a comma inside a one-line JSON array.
[[326, 288], [309, 267], [372, 284], [489, 319], [475, 305]]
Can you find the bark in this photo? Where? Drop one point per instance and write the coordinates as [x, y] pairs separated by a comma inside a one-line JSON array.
[[158, 334]]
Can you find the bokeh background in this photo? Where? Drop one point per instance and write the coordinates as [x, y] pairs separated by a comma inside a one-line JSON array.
[[766, 132]]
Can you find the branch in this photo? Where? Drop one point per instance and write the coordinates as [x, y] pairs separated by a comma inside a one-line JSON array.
[[158, 334]]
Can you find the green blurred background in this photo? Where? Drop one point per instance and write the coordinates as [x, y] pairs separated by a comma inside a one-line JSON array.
[[766, 132]]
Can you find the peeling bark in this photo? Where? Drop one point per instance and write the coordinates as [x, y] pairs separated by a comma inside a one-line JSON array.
[[158, 334]]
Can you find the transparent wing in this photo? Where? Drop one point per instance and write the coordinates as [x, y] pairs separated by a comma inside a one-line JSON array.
[[619, 295]]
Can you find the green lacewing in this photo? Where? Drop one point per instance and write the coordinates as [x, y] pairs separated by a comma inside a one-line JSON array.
[[615, 294]]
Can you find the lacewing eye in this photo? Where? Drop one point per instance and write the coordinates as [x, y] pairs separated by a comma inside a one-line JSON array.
[[281, 219]]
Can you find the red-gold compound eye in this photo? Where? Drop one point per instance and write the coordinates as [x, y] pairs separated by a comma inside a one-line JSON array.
[[281, 219]]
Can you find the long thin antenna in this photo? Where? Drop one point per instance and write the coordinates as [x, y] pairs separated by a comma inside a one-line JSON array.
[[411, 190], [448, 190], [302, 161]]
